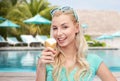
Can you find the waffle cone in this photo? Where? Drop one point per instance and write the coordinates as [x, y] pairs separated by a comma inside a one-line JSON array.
[[49, 44]]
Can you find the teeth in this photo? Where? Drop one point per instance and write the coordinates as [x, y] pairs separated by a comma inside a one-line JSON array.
[[60, 39]]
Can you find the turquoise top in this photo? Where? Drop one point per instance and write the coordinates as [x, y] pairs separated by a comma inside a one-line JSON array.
[[92, 59]]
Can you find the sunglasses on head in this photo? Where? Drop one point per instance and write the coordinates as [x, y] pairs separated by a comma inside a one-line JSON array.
[[63, 9]]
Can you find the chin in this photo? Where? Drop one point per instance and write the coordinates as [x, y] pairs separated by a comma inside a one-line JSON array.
[[62, 46]]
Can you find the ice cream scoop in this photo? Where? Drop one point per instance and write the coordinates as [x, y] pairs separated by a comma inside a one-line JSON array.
[[51, 42]]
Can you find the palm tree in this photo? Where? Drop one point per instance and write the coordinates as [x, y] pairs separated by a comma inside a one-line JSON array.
[[24, 10], [5, 7]]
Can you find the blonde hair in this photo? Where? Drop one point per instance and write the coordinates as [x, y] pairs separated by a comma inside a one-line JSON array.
[[81, 44]]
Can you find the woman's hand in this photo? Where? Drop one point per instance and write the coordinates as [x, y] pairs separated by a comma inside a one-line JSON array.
[[47, 56]]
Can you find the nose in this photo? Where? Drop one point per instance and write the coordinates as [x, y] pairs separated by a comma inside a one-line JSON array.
[[59, 32]]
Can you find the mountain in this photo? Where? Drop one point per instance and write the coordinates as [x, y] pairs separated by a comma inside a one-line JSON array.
[[100, 22]]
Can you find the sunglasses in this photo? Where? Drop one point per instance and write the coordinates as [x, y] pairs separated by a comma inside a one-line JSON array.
[[64, 9]]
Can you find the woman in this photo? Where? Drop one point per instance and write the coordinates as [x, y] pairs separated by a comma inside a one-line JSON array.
[[69, 61]]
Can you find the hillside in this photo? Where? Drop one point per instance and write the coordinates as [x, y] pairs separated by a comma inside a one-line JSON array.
[[100, 22]]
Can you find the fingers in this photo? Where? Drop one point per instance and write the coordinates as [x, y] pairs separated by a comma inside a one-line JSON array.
[[47, 55], [49, 49]]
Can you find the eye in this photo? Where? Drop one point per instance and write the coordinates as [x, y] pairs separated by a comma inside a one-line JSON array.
[[65, 27], [54, 28]]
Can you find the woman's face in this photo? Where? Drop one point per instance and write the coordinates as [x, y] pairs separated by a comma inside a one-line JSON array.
[[64, 30]]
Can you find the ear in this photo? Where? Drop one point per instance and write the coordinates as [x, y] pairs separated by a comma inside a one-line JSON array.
[[77, 27]]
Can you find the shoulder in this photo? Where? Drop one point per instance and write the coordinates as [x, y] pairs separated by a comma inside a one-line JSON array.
[[94, 61], [93, 58]]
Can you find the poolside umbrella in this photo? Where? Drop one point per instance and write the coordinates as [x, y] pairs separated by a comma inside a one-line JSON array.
[[37, 19], [1, 18], [84, 26], [117, 34], [8, 24], [103, 37], [117, 38]]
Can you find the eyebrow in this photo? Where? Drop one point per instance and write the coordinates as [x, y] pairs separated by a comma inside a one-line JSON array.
[[53, 26], [63, 24]]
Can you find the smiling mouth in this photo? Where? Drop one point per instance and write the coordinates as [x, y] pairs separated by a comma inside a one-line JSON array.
[[61, 40]]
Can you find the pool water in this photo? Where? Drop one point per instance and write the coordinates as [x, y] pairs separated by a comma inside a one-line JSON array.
[[18, 61], [26, 61], [110, 57]]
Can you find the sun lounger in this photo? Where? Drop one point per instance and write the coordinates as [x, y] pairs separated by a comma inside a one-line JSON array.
[[13, 41], [3, 42], [30, 40], [41, 38]]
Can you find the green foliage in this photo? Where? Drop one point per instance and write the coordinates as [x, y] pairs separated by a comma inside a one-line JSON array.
[[88, 38], [19, 10], [94, 43], [97, 44], [45, 30], [6, 6]]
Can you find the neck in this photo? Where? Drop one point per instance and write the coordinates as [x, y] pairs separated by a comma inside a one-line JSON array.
[[70, 51], [70, 57]]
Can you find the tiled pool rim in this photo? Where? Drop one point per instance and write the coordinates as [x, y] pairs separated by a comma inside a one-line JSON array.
[[41, 48], [30, 76]]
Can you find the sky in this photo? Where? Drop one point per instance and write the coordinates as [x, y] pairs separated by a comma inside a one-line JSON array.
[[111, 5]]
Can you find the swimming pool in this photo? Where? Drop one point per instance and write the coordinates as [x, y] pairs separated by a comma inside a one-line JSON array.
[[110, 57], [26, 61]]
